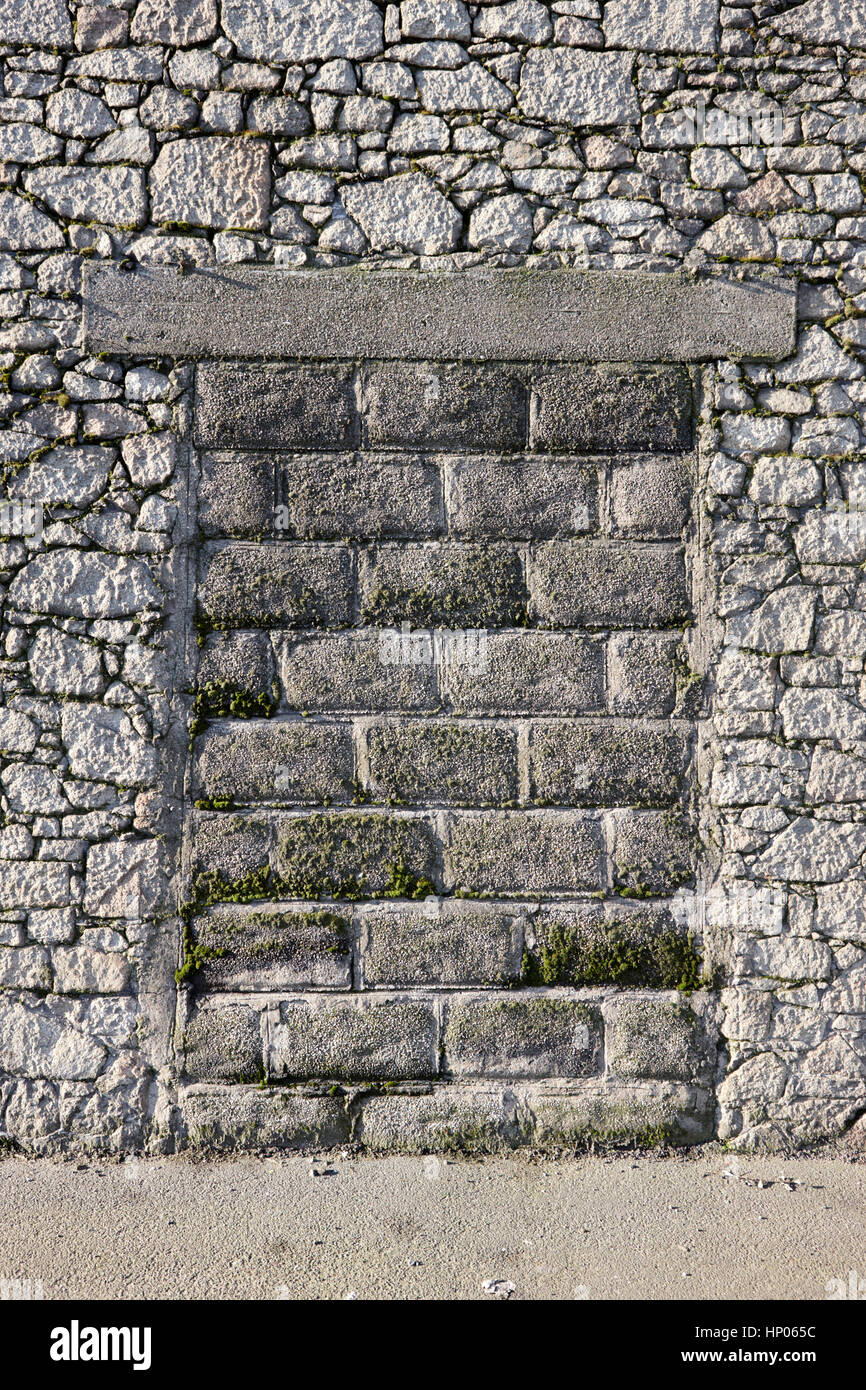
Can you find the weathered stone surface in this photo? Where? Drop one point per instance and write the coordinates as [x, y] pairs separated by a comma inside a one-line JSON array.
[[500, 315], [28, 144], [455, 585], [537, 498], [126, 878], [64, 665], [76, 476], [435, 19], [406, 212], [585, 584], [356, 854], [80, 970], [440, 943], [598, 764], [662, 26], [783, 623], [240, 948], [344, 672], [577, 87], [282, 762], [296, 31], [502, 223], [469, 88], [654, 852], [813, 851], [522, 20], [103, 745], [378, 1039], [650, 498], [276, 586], [116, 196], [517, 853], [276, 407], [84, 584], [659, 1038], [222, 1118], [34, 1042], [34, 885], [444, 407], [45, 22], [174, 21], [451, 1118], [24, 228], [212, 182], [543, 1035], [819, 21], [596, 410], [223, 1042], [811, 714], [79, 115], [449, 763]]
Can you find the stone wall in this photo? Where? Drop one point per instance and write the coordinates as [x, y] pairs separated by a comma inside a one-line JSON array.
[[432, 905]]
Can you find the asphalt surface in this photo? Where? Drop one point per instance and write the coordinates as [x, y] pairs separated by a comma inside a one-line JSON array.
[[707, 1226]]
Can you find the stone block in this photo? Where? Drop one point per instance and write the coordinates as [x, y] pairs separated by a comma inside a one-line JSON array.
[[384, 1038], [440, 943], [275, 407], [454, 764]]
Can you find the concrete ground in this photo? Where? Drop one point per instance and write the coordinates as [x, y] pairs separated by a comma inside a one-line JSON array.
[[706, 1226]]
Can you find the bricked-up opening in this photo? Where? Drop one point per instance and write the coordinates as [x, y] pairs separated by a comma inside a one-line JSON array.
[[441, 793]]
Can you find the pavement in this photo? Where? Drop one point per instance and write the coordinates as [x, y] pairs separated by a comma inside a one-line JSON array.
[[707, 1225]]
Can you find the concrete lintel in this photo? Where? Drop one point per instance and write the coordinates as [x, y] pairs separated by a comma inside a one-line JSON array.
[[516, 315]]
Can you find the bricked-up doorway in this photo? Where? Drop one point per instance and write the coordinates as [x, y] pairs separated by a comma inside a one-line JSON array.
[[441, 822]]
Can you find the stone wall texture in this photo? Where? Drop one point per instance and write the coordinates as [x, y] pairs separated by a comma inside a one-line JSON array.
[[432, 695]]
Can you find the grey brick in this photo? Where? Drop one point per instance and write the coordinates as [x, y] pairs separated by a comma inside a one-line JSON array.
[[608, 584], [599, 764], [344, 672], [634, 1113], [654, 852], [531, 1035], [530, 673], [276, 586], [223, 1042], [236, 666], [642, 672], [461, 586], [440, 943], [631, 945], [239, 948], [222, 1118], [456, 764], [491, 498], [658, 1038], [365, 1039], [599, 410], [286, 762], [650, 498], [520, 852], [236, 497], [359, 495], [357, 854], [444, 406], [449, 1119], [275, 407], [229, 854]]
